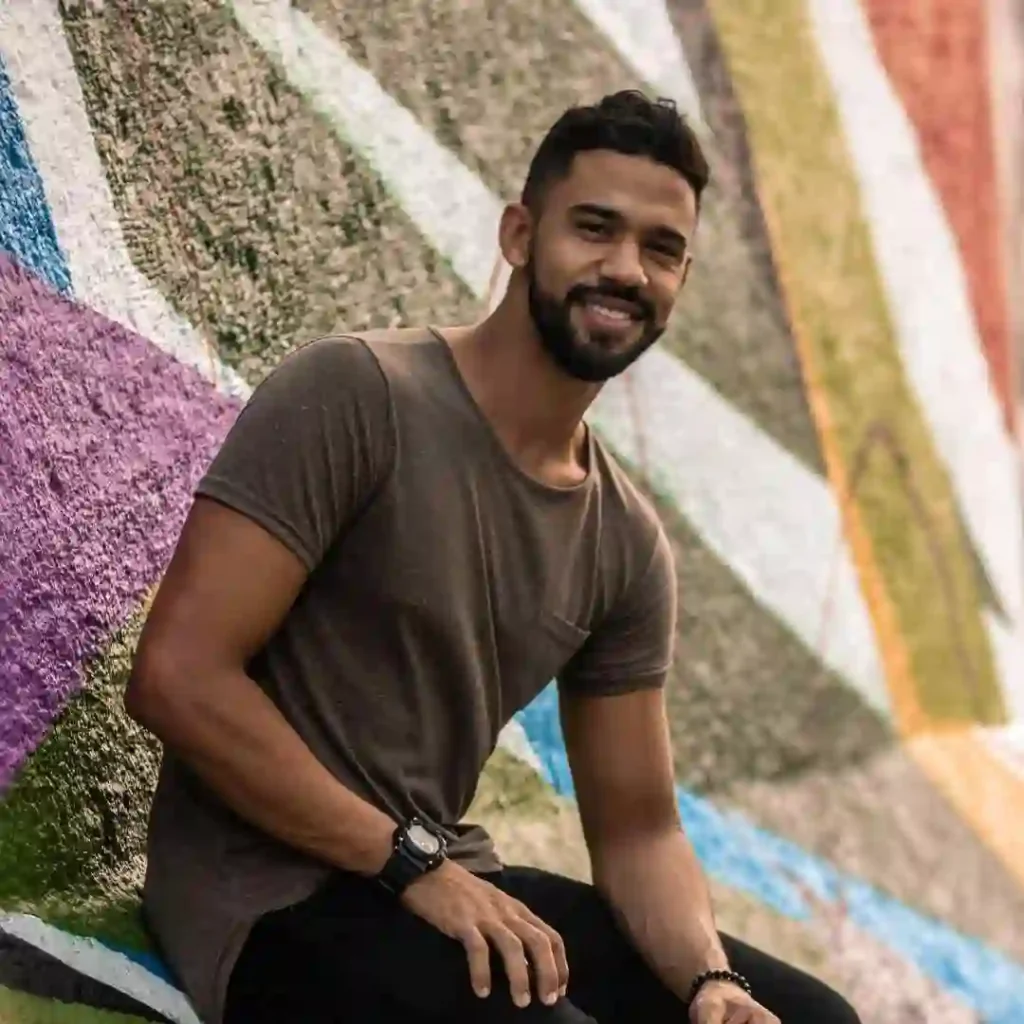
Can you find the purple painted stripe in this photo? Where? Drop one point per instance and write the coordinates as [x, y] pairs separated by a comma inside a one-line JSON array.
[[102, 438]]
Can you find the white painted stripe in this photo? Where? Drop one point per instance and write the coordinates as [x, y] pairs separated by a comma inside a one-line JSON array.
[[513, 738], [927, 296], [438, 191], [45, 85], [772, 521], [643, 33], [1008, 651], [1007, 743], [92, 959]]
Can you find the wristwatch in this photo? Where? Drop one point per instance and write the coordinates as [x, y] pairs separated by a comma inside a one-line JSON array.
[[417, 849]]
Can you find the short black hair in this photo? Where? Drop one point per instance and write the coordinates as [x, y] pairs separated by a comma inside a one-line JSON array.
[[625, 122]]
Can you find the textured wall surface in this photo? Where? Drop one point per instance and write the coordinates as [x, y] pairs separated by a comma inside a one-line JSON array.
[[1006, 52], [190, 189]]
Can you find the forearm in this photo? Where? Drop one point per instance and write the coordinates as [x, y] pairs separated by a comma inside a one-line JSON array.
[[235, 739], [657, 889]]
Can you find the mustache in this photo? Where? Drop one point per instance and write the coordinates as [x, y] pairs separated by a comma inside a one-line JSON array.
[[583, 293]]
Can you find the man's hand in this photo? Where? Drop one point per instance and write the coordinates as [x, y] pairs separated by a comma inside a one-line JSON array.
[[719, 1002], [477, 914]]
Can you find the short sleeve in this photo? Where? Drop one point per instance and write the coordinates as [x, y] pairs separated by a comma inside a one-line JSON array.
[[312, 446], [632, 647]]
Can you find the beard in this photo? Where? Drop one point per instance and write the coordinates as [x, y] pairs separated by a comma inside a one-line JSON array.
[[590, 356]]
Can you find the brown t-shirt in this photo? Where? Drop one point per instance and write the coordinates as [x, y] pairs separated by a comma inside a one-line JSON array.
[[446, 589]]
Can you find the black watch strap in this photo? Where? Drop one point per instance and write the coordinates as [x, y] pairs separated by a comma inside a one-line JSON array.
[[417, 849]]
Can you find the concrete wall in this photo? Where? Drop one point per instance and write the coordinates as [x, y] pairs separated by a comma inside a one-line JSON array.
[[1006, 31], [189, 189]]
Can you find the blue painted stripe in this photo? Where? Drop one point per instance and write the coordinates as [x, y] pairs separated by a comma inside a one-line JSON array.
[[776, 871], [26, 227], [150, 961]]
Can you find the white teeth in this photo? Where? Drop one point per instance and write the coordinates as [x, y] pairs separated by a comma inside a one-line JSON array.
[[616, 314]]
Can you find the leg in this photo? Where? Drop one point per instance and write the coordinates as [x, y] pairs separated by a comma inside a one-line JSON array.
[[288, 973], [792, 995], [609, 980], [352, 954]]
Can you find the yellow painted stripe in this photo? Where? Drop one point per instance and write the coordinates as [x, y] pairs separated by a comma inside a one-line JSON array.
[[818, 271], [982, 788], [810, 196], [907, 710]]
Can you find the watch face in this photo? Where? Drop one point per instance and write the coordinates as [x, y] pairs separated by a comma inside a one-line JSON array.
[[426, 842]]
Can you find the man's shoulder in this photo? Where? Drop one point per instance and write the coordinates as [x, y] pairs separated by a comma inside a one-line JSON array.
[[633, 537], [322, 362], [408, 358], [358, 367], [338, 352], [395, 346], [627, 507], [391, 337]]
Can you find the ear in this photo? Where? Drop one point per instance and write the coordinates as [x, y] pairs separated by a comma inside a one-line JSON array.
[[687, 263], [515, 234]]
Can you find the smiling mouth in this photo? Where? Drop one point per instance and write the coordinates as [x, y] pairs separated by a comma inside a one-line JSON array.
[[608, 311], [615, 316]]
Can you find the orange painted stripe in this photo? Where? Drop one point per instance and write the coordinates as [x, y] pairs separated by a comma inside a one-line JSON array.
[[908, 713], [936, 54], [980, 786], [984, 791]]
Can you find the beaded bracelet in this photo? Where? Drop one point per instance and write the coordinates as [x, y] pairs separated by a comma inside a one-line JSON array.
[[705, 976]]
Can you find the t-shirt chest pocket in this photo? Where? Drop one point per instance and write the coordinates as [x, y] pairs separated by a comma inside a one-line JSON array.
[[531, 652]]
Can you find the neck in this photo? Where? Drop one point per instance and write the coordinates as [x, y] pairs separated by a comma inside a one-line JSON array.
[[535, 408]]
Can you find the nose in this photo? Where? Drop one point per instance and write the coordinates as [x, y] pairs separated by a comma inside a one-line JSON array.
[[622, 264]]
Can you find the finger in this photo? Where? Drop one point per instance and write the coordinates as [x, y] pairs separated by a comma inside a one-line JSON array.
[[557, 951], [538, 947], [510, 946], [478, 953]]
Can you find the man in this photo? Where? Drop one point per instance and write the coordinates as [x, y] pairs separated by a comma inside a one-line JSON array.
[[404, 537]]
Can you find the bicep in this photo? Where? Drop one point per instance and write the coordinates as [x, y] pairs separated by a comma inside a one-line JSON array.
[[620, 755], [614, 718], [311, 448], [228, 587], [307, 453]]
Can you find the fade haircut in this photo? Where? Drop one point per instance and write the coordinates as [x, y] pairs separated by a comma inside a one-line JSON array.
[[624, 122]]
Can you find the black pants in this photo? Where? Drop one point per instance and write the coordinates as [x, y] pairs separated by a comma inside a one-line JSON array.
[[352, 954]]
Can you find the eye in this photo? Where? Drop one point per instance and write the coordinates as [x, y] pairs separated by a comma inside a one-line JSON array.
[[666, 252], [595, 228]]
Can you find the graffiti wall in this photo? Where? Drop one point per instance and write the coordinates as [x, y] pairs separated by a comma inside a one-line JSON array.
[[190, 189], [1006, 34]]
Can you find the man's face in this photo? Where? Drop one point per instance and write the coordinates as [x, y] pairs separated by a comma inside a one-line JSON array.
[[607, 258]]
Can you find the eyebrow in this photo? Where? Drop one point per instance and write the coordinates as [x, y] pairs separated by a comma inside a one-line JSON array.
[[609, 213]]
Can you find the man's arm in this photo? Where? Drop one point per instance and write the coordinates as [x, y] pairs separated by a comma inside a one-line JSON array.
[[228, 587], [311, 448], [226, 591], [616, 730], [642, 861]]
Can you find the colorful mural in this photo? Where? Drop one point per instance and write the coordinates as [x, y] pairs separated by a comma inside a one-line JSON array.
[[190, 189]]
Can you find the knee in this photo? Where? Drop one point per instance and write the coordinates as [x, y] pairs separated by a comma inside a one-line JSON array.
[[824, 1005]]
